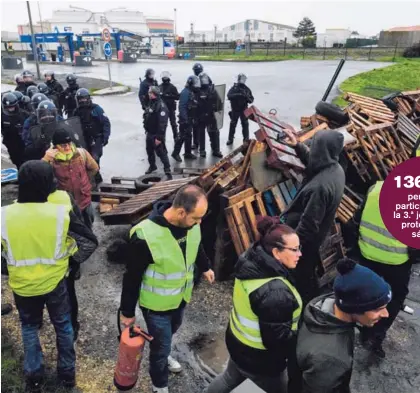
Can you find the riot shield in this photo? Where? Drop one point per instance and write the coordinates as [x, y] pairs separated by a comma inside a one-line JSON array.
[[221, 93], [41, 135]]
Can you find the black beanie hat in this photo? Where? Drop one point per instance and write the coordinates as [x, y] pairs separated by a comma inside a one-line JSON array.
[[60, 137], [358, 289]]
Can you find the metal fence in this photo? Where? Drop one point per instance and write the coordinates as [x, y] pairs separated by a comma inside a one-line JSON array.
[[278, 49]]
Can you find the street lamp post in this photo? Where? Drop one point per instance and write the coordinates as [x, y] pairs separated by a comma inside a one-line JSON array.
[[33, 40]]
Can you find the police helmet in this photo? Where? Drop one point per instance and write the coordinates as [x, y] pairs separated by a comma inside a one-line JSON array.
[[83, 97], [193, 81], [27, 76], [49, 73], [25, 103], [31, 90], [43, 88], [18, 95], [150, 73], [71, 79], [46, 112], [10, 104], [204, 79], [166, 76], [37, 98], [198, 69]]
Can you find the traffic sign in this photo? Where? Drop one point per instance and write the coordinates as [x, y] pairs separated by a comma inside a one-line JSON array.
[[107, 49], [106, 35]]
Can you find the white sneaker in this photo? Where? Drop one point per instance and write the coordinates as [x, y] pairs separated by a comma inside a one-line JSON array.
[[159, 390], [173, 365]]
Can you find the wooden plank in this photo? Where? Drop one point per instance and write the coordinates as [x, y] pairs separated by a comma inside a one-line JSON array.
[[252, 219], [237, 243], [281, 203], [243, 234], [285, 193], [310, 134], [97, 195], [291, 188], [260, 204], [109, 187]]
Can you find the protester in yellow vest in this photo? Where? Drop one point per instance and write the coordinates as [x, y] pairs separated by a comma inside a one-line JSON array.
[[262, 331], [387, 257], [37, 247], [163, 252]]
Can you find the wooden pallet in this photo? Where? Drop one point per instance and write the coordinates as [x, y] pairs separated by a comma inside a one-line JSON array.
[[373, 110], [241, 220], [349, 204], [408, 132]]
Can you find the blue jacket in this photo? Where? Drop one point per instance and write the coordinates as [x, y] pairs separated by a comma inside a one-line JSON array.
[[98, 119], [188, 105], [144, 90], [30, 122]]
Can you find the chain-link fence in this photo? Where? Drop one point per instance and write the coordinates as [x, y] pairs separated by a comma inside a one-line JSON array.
[[279, 49]]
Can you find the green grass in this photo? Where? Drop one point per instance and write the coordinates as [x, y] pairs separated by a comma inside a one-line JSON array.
[[405, 75]]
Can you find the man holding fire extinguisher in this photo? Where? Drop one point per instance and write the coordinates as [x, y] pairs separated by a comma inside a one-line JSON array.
[[162, 254]]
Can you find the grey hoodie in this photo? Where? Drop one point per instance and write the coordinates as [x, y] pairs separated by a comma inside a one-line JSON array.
[[325, 348]]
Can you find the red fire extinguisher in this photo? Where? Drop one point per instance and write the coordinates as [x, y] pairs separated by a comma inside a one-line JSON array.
[[132, 341]]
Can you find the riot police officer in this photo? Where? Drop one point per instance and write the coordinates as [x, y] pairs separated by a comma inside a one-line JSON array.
[[148, 81], [69, 94], [24, 103], [44, 89], [37, 99], [198, 69], [45, 115], [55, 87], [96, 126], [155, 123], [188, 105], [169, 94], [31, 90], [12, 120], [20, 84], [239, 96], [28, 80], [208, 103]]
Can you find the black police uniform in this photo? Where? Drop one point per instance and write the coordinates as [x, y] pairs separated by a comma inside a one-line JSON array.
[[69, 100], [145, 84], [169, 94], [11, 130], [208, 103], [155, 123], [56, 93], [239, 96], [188, 106]]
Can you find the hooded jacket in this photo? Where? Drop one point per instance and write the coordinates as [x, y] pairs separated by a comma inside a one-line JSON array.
[[325, 348], [274, 304], [139, 257], [313, 209]]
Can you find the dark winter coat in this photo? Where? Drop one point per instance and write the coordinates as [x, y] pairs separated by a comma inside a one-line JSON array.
[[95, 123], [240, 96], [169, 94], [313, 210], [325, 348], [156, 119], [69, 99], [56, 92], [144, 91], [274, 305], [188, 105], [139, 257], [208, 103]]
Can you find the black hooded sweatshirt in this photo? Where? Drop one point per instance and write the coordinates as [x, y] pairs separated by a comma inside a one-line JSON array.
[[139, 258], [274, 305], [36, 182], [325, 348], [313, 209]]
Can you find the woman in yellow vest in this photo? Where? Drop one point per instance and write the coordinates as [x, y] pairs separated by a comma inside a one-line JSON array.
[[261, 335]]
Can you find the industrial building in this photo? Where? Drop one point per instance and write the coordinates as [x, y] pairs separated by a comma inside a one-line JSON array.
[[400, 36], [257, 30]]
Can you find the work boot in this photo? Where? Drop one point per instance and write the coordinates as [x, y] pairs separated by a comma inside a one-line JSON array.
[[203, 154], [190, 156], [6, 308], [168, 173], [229, 142], [375, 347], [34, 385], [176, 157], [194, 146], [217, 154], [159, 390], [173, 365], [67, 380], [151, 169]]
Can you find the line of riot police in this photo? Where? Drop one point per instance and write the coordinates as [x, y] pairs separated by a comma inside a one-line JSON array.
[[32, 113], [198, 103]]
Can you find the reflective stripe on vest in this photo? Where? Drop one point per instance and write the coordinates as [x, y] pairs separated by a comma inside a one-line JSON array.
[[36, 246], [60, 198], [376, 243], [170, 278], [244, 324]]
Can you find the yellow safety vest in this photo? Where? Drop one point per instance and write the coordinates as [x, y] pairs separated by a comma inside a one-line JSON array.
[[36, 246], [375, 242], [60, 197], [170, 278], [244, 324]]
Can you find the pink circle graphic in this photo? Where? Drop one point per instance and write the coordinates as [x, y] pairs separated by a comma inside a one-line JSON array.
[[399, 202]]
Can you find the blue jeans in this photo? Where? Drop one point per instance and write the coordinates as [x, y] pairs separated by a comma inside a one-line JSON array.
[[30, 313], [162, 326]]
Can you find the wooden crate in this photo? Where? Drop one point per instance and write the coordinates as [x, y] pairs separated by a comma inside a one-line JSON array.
[[349, 204]]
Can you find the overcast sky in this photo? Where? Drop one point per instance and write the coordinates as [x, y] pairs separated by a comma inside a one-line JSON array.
[[367, 17]]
